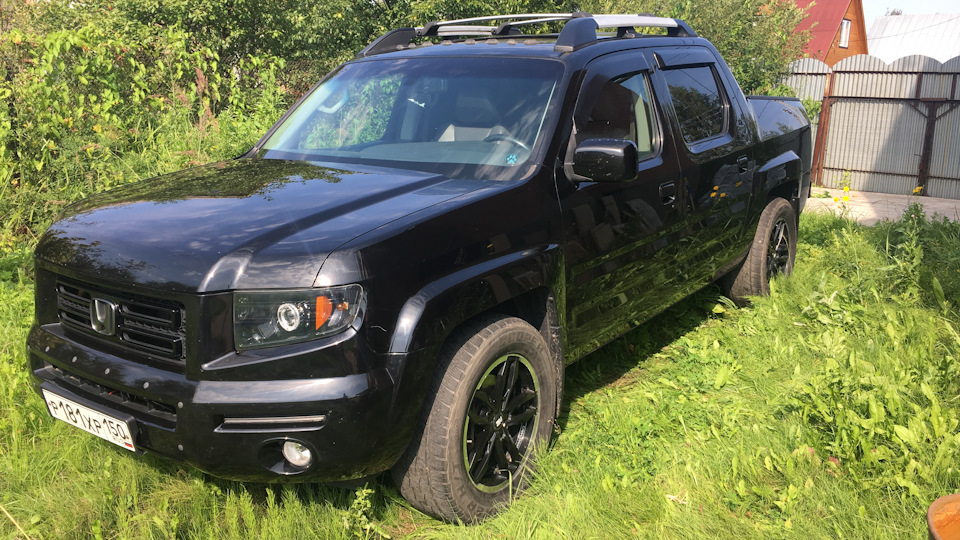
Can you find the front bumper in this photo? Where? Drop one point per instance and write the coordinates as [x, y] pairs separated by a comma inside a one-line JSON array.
[[355, 425]]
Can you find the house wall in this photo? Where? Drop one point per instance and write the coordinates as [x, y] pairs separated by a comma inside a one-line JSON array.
[[858, 35]]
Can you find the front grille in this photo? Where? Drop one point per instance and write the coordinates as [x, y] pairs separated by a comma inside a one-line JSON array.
[[150, 326], [159, 413]]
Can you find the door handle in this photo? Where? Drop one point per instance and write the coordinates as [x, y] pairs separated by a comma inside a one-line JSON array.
[[742, 162], [668, 194]]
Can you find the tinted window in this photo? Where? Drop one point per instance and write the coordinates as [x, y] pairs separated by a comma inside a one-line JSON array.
[[462, 117], [622, 111], [698, 102], [358, 113]]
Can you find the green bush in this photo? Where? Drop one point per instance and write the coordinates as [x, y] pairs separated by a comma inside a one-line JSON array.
[[755, 37], [313, 36], [84, 111], [927, 250]]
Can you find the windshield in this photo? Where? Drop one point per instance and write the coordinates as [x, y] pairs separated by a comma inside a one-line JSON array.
[[462, 117]]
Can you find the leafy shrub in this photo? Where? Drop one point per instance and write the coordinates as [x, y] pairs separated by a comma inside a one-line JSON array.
[[929, 252], [313, 36], [84, 111], [755, 37]]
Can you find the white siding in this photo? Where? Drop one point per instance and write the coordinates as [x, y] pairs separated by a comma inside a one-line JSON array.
[[934, 35]]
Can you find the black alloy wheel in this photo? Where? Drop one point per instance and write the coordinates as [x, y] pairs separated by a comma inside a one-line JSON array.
[[778, 249], [772, 253], [491, 404], [501, 420]]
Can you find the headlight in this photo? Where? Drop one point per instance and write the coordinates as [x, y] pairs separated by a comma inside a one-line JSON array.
[[269, 318]]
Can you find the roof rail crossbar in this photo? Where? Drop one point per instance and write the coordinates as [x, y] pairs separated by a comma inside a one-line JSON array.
[[580, 32], [431, 28], [483, 30], [465, 30], [580, 29], [505, 28]]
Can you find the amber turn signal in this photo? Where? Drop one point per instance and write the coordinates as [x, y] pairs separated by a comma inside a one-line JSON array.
[[324, 309]]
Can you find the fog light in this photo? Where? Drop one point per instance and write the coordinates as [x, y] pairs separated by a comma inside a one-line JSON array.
[[297, 454]]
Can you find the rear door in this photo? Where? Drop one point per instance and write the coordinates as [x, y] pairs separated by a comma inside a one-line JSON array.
[[621, 238], [715, 152]]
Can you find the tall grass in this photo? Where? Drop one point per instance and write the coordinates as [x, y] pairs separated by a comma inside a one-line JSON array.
[[829, 409]]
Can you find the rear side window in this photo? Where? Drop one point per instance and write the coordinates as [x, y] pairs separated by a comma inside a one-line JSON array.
[[698, 101]]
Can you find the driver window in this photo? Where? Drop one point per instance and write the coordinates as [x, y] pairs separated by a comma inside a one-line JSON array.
[[622, 111]]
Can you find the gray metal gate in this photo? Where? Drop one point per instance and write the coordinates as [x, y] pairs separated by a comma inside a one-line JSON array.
[[885, 128]]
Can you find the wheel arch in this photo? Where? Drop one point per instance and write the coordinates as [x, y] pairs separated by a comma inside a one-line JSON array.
[[783, 177], [518, 284], [521, 285]]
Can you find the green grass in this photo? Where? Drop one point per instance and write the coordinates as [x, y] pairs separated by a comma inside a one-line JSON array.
[[829, 409]]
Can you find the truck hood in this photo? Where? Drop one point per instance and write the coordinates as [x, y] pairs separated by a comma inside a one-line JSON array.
[[241, 224]]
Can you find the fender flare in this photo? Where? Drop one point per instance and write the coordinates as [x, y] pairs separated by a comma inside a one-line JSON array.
[[780, 170], [428, 317]]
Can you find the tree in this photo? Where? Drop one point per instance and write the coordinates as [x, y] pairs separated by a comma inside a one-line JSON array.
[[755, 37]]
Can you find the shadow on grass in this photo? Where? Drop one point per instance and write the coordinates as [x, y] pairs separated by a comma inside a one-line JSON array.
[[339, 497], [601, 368], [611, 362]]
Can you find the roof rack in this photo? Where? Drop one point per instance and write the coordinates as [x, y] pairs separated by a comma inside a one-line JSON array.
[[580, 29]]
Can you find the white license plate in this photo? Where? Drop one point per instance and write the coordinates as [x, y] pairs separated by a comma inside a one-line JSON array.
[[102, 425]]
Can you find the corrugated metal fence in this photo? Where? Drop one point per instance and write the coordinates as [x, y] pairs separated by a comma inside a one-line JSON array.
[[887, 128]]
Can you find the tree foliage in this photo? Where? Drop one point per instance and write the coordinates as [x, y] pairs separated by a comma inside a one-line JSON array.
[[92, 89], [755, 37]]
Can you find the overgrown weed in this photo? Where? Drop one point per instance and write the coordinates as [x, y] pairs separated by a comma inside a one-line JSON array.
[[828, 409]]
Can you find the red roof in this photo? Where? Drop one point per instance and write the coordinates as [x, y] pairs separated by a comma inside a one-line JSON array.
[[827, 14]]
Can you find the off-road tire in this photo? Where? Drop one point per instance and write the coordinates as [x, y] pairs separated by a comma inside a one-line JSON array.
[[773, 252], [433, 474]]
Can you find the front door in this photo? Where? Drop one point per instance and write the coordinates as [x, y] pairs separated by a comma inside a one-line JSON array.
[[621, 238]]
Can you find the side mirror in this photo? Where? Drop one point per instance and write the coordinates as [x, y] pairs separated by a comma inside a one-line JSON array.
[[606, 160]]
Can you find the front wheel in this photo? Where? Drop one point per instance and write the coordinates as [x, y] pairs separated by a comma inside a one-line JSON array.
[[773, 252], [492, 403]]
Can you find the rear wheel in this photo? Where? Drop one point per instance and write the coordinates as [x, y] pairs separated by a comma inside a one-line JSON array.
[[493, 402], [773, 252]]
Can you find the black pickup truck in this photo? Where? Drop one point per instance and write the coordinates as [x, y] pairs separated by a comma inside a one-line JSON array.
[[395, 276]]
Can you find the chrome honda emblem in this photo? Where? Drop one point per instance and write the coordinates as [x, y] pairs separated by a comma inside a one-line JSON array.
[[103, 316]]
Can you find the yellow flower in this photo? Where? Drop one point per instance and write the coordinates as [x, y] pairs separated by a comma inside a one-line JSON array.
[[714, 194], [846, 189], [836, 199], [846, 198], [722, 195], [97, 128]]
